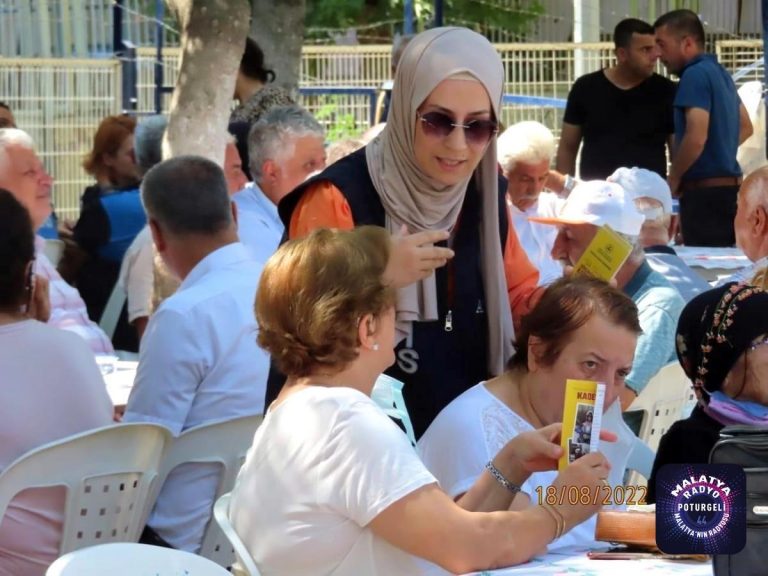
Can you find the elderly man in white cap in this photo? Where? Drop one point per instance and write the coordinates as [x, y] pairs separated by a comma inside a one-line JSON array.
[[599, 203], [654, 200]]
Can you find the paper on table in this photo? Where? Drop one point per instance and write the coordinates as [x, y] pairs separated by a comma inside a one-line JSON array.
[[120, 382], [711, 258]]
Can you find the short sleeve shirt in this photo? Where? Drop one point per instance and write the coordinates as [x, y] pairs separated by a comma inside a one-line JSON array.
[[659, 306], [621, 127], [329, 461], [199, 364], [705, 84]]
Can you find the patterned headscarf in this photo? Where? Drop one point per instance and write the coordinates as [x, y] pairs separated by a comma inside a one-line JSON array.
[[716, 328]]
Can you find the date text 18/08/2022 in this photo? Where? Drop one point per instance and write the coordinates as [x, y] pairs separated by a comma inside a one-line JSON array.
[[605, 495]]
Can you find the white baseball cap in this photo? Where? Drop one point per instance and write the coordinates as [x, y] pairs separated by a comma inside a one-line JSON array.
[[600, 203], [642, 183]]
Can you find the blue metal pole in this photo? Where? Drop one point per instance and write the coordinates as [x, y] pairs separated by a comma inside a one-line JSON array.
[[159, 16], [439, 13], [765, 69], [117, 26], [408, 8]]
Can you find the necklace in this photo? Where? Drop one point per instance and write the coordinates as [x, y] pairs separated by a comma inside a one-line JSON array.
[[526, 405]]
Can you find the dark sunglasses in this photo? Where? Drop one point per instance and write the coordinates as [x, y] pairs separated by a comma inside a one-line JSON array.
[[476, 132]]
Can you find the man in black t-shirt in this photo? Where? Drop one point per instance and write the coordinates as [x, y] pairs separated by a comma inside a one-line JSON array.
[[623, 113]]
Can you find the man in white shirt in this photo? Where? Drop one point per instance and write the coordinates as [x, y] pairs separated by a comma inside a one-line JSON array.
[[199, 362], [136, 274], [525, 151], [284, 147], [136, 269], [23, 175], [751, 227]]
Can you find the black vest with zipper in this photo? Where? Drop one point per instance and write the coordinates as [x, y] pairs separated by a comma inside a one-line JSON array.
[[442, 358]]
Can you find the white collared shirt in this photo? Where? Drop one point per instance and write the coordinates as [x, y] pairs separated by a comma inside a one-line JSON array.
[[199, 363], [258, 223], [538, 239]]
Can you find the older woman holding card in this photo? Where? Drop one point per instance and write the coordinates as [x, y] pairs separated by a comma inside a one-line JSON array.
[[581, 329], [331, 484]]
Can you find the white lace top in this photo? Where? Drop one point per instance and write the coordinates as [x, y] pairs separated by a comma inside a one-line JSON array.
[[472, 429]]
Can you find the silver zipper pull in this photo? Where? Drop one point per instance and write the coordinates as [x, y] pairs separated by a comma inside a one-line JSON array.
[[449, 321]]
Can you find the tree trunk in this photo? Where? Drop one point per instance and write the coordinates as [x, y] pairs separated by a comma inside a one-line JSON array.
[[213, 36], [278, 27]]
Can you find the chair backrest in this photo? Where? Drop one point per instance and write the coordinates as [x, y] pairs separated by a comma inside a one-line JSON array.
[[224, 443], [114, 306], [640, 464], [663, 401], [124, 559], [244, 565], [108, 474], [387, 393]]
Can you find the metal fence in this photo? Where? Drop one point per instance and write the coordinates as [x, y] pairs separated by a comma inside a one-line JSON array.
[[60, 102], [744, 58]]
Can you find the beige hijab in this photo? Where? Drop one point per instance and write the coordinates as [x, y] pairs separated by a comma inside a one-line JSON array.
[[411, 198]]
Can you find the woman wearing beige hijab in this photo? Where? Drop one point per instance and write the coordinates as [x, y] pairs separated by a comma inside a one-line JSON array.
[[433, 168]]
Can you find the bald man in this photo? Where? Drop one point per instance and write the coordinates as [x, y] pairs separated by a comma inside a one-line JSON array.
[[751, 226]]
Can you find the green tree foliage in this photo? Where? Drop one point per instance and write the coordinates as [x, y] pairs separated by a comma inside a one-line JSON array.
[[385, 17]]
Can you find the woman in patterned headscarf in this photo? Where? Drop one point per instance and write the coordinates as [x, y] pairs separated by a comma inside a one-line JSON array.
[[433, 168], [254, 88], [721, 344]]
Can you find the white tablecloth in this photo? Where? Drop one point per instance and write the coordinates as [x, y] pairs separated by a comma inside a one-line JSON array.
[[710, 258], [575, 562]]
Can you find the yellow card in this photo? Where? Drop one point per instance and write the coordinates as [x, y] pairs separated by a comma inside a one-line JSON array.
[[582, 416], [604, 256]]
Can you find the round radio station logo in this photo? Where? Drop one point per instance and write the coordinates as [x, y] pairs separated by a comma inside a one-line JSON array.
[[701, 508]]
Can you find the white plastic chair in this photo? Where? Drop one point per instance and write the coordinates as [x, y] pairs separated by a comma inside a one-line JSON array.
[[640, 464], [388, 394], [244, 565], [124, 559], [111, 314], [663, 401], [224, 443], [108, 474]]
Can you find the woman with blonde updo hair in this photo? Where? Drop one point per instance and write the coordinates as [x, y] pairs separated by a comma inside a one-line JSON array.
[[331, 485]]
